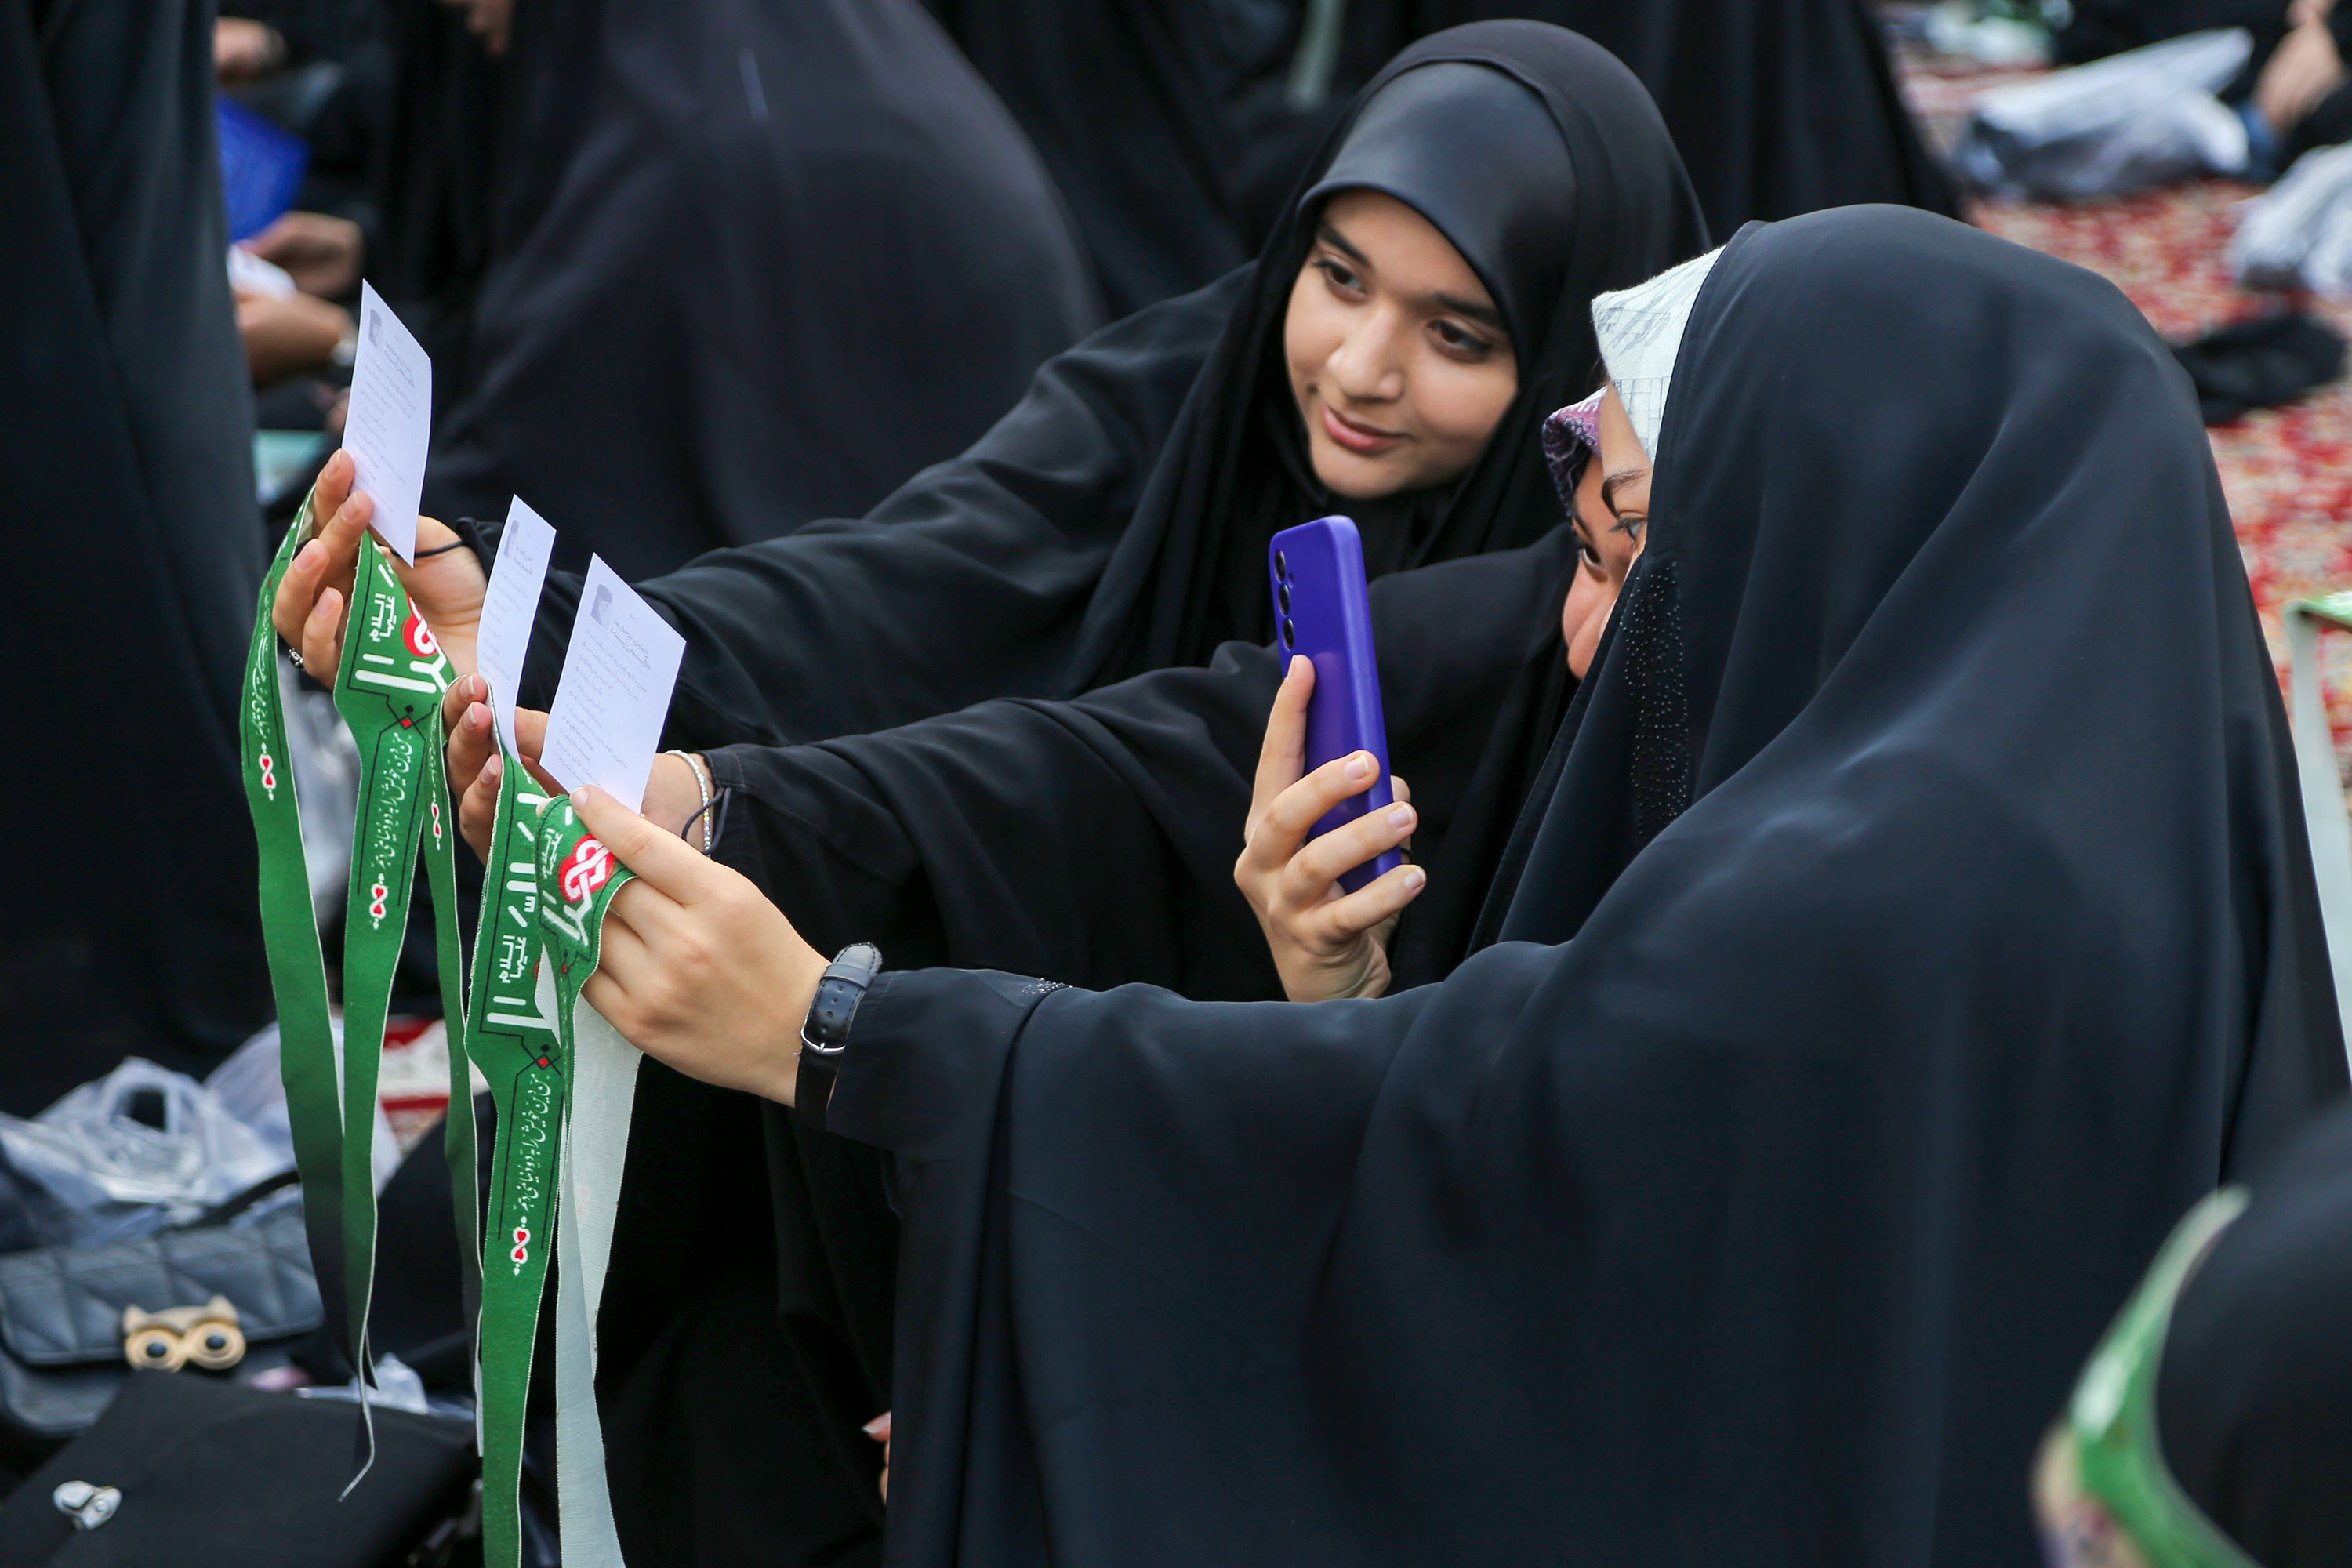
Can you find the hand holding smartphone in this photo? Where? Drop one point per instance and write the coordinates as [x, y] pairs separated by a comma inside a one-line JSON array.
[[1323, 609]]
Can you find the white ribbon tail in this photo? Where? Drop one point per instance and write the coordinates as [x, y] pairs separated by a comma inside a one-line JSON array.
[[595, 1149], [2325, 818]]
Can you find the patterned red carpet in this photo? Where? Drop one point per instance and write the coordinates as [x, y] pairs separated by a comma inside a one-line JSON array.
[[2284, 470]]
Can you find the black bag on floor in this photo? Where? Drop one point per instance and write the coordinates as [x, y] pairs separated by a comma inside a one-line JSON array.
[[61, 1327], [199, 1473], [2260, 364]]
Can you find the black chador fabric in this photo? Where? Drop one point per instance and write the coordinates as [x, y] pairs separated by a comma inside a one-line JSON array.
[[756, 265], [2254, 1397], [1074, 456], [129, 924], [1116, 521], [1920, 920], [1167, 124]]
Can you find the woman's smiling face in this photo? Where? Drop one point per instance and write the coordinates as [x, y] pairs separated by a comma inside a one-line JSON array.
[[1397, 354]]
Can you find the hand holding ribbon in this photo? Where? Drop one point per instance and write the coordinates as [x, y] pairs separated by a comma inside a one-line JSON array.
[[698, 969], [312, 602]]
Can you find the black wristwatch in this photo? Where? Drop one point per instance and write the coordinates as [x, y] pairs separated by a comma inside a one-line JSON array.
[[826, 1031]]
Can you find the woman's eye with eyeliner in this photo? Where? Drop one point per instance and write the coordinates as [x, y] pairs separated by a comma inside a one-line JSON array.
[[1458, 340], [1338, 273]]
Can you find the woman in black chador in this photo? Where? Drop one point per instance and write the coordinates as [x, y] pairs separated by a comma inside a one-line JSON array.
[[129, 929], [753, 265], [1914, 918]]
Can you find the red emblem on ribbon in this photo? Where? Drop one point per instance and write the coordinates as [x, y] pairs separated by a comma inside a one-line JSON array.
[[588, 867], [420, 636]]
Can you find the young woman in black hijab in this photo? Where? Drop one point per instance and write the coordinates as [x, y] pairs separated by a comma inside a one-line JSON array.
[[1913, 917], [2213, 1427], [1115, 519]]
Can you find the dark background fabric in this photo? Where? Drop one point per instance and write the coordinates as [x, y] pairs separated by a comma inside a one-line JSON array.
[[2254, 1397], [1169, 126], [436, 162], [1920, 920], [1779, 107], [125, 465], [754, 265], [216, 1475], [1128, 103]]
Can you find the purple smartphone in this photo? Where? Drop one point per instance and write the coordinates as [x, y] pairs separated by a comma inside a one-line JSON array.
[[1322, 609]]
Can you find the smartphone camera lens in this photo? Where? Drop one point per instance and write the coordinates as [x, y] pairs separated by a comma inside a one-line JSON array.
[[1281, 566], [1289, 633], [1282, 592]]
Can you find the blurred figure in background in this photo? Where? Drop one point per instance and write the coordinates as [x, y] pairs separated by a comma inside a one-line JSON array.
[[751, 265], [691, 276], [131, 925]]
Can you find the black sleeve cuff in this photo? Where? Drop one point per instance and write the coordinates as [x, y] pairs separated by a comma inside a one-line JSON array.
[[925, 1059]]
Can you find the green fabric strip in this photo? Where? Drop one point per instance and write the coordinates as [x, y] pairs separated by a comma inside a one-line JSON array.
[[389, 693], [2112, 1410], [438, 844], [517, 1046], [298, 970]]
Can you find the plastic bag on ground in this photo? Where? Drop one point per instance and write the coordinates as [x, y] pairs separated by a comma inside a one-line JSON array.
[[250, 1089], [2125, 123], [138, 1150]]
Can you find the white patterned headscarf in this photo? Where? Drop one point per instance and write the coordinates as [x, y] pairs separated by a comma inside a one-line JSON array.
[[1639, 331]]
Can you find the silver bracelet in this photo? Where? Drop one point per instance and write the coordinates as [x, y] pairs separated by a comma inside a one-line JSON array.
[[701, 783]]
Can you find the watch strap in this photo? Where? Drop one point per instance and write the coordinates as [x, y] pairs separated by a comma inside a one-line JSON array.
[[824, 1034]]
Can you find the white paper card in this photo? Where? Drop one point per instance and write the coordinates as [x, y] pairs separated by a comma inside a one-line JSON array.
[[618, 676], [510, 608], [388, 424]]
